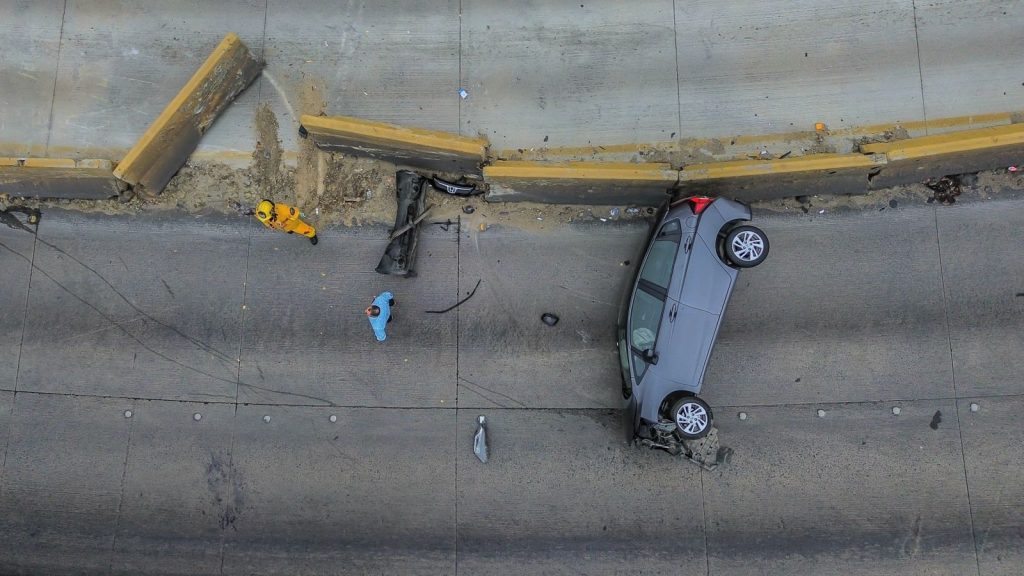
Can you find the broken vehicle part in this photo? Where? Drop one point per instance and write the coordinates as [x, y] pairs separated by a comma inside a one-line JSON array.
[[459, 303], [549, 318], [705, 452], [480, 439], [945, 189], [400, 255], [410, 225], [460, 188]]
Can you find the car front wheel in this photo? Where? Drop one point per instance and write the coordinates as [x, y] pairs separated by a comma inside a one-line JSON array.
[[692, 417], [746, 246]]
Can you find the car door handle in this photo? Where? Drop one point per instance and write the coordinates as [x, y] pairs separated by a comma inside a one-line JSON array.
[[688, 243], [672, 313]]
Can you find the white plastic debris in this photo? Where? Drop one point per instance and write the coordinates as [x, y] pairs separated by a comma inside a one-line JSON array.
[[975, 407], [333, 418], [266, 418], [821, 413], [127, 413], [743, 415], [463, 93], [896, 410], [197, 416]]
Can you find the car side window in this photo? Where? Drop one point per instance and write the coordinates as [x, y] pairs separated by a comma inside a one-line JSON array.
[[662, 256], [644, 320]]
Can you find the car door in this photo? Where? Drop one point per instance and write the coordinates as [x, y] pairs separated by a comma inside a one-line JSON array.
[[648, 307], [694, 319]]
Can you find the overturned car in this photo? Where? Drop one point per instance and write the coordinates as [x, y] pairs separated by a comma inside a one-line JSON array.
[[672, 311]]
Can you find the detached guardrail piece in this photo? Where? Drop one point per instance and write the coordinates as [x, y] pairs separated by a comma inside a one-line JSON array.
[[916, 159], [58, 178], [579, 182], [752, 180], [167, 143], [401, 145]]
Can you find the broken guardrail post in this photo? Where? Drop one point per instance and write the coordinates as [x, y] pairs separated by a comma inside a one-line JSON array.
[[170, 140]]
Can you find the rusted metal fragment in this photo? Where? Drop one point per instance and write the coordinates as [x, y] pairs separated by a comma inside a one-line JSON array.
[[169, 141]]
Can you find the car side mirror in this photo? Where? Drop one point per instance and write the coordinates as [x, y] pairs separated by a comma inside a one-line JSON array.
[[650, 356]]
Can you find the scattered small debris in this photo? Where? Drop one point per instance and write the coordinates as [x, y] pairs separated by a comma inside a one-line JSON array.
[[624, 263], [632, 211], [743, 415], [821, 413], [197, 416], [549, 318], [482, 227], [614, 213], [822, 211], [480, 439], [266, 418], [1012, 169], [936, 420], [893, 203], [945, 189], [975, 407], [785, 154], [333, 418], [896, 410], [459, 303], [463, 93], [127, 413], [467, 209]]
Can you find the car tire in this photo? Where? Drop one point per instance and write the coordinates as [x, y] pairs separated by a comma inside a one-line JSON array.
[[692, 416], [746, 246]]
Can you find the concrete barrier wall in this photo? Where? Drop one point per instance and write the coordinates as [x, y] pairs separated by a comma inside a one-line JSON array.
[[916, 159], [580, 182], [174, 135], [412, 147], [752, 180], [58, 178]]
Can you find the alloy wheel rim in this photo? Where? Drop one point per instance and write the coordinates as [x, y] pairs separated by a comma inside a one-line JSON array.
[[692, 418], [748, 246]]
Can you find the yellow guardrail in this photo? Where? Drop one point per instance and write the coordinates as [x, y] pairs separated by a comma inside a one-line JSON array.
[[416, 147], [58, 178], [174, 135]]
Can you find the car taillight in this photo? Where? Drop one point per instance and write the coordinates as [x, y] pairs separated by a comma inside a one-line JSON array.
[[699, 203]]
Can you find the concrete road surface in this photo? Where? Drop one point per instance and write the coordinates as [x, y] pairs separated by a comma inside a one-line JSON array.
[[86, 78], [184, 395]]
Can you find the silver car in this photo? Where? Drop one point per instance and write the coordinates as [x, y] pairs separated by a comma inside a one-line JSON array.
[[674, 306]]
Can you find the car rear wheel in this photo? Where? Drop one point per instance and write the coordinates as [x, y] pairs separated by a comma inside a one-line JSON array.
[[746, 246], [692, 417]]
